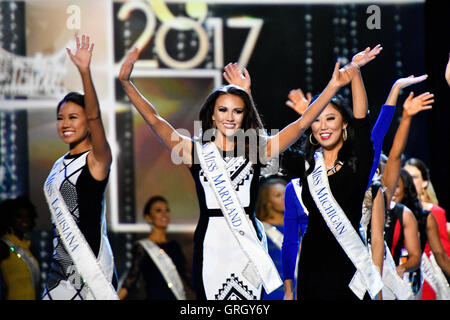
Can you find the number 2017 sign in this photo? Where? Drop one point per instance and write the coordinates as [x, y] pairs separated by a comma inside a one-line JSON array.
[[197, 21]]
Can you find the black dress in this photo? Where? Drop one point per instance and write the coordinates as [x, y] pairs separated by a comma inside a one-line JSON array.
[[144, 275], [325, 270]]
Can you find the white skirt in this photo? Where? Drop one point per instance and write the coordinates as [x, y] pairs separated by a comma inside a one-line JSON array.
[[223, 263]]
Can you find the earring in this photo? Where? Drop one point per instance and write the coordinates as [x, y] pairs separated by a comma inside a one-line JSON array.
[[344, 134], [310, 140]]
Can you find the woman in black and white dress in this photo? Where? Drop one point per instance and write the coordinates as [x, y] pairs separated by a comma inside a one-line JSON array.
[[230, 258], [75, 195]]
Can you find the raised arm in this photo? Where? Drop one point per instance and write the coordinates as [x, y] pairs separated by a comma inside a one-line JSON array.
[[359, 96], [99, 160], [411, 107], [171, 138], [384, 119]]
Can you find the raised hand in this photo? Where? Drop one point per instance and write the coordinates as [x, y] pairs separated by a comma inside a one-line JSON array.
[[414, 105], [404, 82], [364, 57], [297, 100], [128, 64], [342, 76], [83, 54], [233, 75]]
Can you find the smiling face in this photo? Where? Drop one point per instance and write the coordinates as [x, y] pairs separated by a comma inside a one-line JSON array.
[[327, 128], [159, 215], [72, 123], [228, 114]]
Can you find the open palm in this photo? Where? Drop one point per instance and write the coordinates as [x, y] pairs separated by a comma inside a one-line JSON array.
[[297, 100], [233, 75], [364, 57], [404, 82], [414, 105], [83, 54]]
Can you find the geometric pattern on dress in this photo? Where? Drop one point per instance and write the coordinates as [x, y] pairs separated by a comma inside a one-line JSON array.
[[239, 169], [234, 289]]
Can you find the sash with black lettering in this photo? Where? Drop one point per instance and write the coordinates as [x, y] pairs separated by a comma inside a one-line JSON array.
[[338, 223], [166, 267], [87, 265], [260, 267]]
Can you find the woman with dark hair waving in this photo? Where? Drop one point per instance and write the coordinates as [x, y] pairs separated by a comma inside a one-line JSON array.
[[230, 261], [333, 171], [82, 264]]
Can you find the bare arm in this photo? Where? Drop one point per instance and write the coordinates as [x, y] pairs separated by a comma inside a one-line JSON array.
[[377, 231], [170, 137], [436, 246], [411, 233], [359, 96], [99, 160], [411, 107]]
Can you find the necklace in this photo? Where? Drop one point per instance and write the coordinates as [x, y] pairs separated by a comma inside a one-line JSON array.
[[333, 168]]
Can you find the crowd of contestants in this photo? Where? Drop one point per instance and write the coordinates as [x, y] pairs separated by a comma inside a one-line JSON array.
[[389, 201]]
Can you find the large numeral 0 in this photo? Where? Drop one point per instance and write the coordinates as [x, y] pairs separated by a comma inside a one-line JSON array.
[[175, 24]]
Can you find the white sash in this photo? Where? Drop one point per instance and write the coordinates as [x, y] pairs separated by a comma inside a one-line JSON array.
[[367, 276], [274, 235], [166, 267], [30, 261], [260, 267], [394, 286], [434, 276], [88, 266], [400, 288]]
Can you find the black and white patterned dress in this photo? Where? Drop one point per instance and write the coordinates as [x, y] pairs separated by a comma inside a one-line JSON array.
[[218, 258], [84, 198]]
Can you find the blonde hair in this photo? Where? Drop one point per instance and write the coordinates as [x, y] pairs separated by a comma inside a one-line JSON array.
[[429, 195]]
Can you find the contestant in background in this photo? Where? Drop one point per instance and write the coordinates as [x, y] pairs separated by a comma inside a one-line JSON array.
[[19, 269], [82, 264], [426, 224], [270, 211], [230, 259], [422, 181], [158, 264]]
